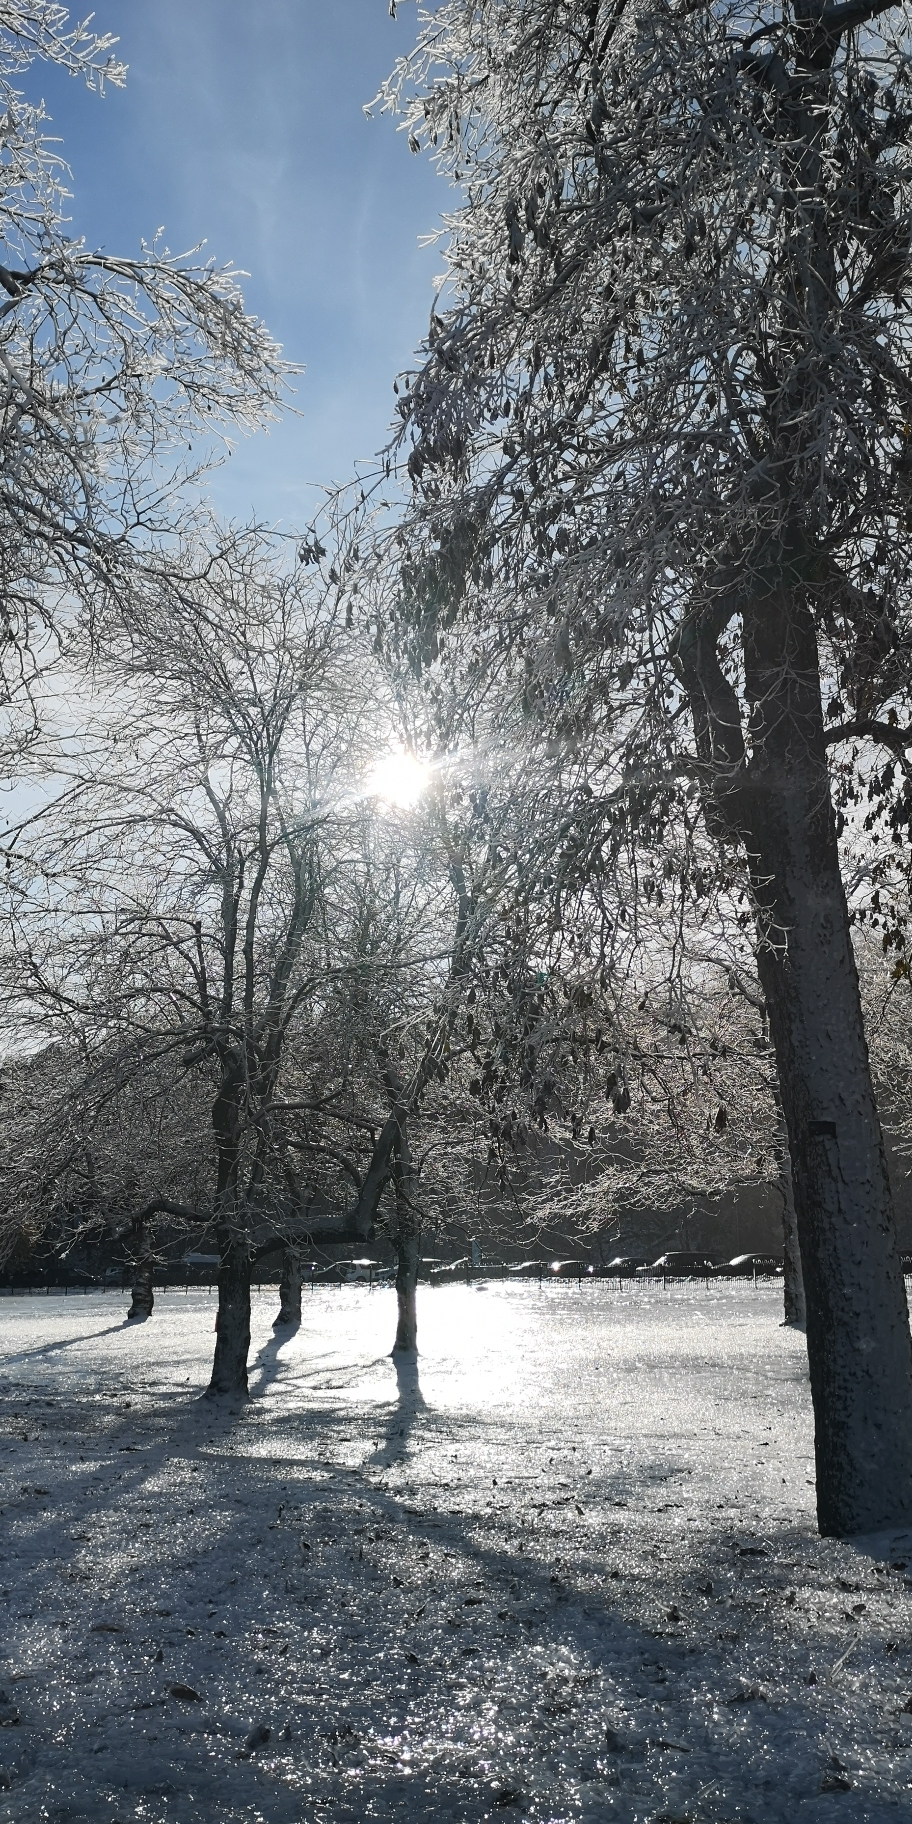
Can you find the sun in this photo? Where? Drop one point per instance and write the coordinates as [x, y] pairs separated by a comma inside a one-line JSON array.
[[398, 778]]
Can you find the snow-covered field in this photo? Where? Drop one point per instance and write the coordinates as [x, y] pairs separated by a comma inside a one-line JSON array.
[[568, 1569]]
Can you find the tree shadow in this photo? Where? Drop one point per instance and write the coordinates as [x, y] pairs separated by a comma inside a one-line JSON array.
[[70, 1342], [266, 1361], [526, 1601], [403, 1413]]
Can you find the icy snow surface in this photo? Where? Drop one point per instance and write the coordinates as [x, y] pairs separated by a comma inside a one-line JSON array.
[[566, 1569]]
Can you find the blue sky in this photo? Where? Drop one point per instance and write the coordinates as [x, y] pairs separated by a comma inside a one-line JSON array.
[[242, 125]]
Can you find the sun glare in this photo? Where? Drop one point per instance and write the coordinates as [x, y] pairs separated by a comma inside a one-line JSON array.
[[398, 778]]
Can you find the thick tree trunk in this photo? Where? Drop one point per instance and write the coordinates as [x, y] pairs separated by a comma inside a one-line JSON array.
[[232, 1323], [795, 1313], [406, 1292], [142, 1287], [407, 1247], [362, 1217], [859, 1346], [290, 1289], [232, 1342]]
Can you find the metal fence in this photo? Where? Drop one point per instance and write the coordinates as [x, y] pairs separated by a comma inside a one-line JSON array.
[[432, 1273]]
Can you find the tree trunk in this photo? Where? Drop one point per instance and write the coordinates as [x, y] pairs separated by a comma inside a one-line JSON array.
[[859, 1346], [795, 1314], [362, 1217], [406, 1247], [290, 1289], [232, 1323], [232, 1341], [406, 1285], [141, 1288]]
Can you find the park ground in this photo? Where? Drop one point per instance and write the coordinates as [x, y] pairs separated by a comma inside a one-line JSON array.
[[565, 1568]]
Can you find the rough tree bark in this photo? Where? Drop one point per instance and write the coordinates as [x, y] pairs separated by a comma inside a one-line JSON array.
[[232, 1340], [859, 1347], [142, 1284], [794, 1308], [794, 1305], [407, 1243], [290, 1289], [775, 799], [232, 1324]]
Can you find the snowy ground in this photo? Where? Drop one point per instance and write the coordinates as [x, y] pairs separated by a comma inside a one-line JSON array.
[[568, 1570]]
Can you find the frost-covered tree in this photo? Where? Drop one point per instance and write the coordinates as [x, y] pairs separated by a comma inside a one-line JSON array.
[[659, 448], [431, 886], [113, 369], [620, 1053], [95, 1145], [172, 907]]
